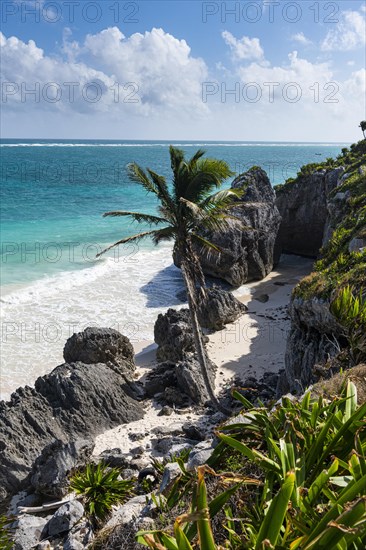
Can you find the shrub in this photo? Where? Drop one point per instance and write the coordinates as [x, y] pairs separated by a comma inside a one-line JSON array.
[[5, 536], [100, 488]]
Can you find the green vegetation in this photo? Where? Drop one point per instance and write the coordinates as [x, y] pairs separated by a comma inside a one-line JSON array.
[[339, 265], [187, 205], [349, 308], [302, 484], [6, 542], [100, 488]]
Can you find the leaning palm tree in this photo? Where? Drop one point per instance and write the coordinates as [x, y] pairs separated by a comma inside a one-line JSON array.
[[184, 207]]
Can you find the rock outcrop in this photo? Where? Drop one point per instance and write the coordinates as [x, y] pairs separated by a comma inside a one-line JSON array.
[[313, 339], [173, 335], [303, 205], [75, 401], [219, 309], [247, 245]]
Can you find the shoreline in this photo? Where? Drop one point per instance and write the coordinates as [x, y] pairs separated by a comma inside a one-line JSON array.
[[252, 355]]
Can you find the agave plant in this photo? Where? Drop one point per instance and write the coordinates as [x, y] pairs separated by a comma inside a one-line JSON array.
[[349, 308], [100, 488], [311, 491]]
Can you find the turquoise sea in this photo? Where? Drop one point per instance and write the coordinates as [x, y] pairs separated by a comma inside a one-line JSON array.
[[53, 195]]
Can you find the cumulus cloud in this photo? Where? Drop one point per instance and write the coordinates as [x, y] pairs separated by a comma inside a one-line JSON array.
[[243, 48], [153, 70], [349, 33], [301, 39]]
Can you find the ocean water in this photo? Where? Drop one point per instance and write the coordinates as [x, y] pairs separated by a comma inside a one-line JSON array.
[[53, 195]]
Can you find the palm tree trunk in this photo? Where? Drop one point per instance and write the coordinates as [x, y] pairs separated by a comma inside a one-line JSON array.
[[199, 345]]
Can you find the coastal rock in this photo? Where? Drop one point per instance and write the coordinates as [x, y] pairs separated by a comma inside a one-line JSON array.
[[304, 208], [312, 339], [80, 536], [28, 531], [51, 469], [177, 383], [171, 472], [74, 401], [247, 244], [189, 378], [65, 518], [100, 345], [200, 454], [219, 308], [173, 334]]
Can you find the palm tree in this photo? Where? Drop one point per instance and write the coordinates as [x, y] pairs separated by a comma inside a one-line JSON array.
[[363, 127], [189, 203]]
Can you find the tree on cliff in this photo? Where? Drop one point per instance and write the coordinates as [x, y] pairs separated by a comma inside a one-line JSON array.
[[187, 204], [363, 127]]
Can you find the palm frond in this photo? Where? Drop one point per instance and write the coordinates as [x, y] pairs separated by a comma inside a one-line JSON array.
[[164, 234], [137, 175], [162, 189], [206, 247], [222, 199], [137, 237], [139, 217], [207, 174]]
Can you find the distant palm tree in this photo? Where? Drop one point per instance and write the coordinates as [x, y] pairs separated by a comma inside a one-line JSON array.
[[363, 127], [188, 205]]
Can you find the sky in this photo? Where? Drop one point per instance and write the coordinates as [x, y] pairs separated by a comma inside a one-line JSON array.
[[264, 70]]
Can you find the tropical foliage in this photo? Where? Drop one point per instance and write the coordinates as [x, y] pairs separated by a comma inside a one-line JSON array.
[[100, 488], [308, 483], [5, 536]]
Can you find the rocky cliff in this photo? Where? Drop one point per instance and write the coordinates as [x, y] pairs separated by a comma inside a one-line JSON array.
[[332, 201], [247, 245]]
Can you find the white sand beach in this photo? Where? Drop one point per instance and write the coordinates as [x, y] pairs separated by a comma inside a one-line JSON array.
[[251, 346]]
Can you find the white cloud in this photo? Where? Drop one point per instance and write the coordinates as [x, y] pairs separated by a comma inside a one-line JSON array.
[[349, 34], [158, 69], [301, 39], [243, 48]]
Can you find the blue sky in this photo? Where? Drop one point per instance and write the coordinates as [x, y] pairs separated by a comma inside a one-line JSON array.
[[165, 70]]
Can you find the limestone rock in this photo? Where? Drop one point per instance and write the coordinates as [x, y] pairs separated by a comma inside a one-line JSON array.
[[219, 309], [29, 531], [74, 401], [51, 469], [173, 334], [100, 345], [65, 518], [247, 244], [303, 206]]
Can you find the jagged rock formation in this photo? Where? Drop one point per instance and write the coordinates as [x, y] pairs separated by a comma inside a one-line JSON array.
[[173, 334], [313, 339], [177, 378], [247, 245], [303, 205], [323, 212], [219, 309], [75, 401]]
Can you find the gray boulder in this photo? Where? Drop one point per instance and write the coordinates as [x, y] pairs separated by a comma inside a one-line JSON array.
[[80, 536], [312, 340], [247, 244], [65, 518], [200, 454], [49, 475], [28, 531], [75, 401], [219, 309], [100, 345], [179, 382], [173, 334]]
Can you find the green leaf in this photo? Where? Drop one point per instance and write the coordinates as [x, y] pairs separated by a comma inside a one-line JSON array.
[[272, 523]]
